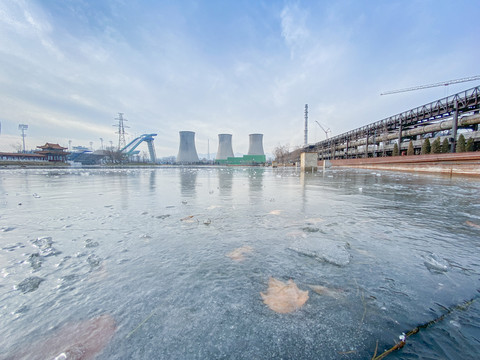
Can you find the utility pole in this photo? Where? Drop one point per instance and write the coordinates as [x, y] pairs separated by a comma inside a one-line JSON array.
[[22, 128]]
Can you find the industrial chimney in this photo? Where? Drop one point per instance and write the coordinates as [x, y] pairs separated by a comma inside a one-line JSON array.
[[187, 152], [225, 149], [256, 144]]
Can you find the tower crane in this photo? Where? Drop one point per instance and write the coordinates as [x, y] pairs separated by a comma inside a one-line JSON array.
[[326, 131], [443, 83]]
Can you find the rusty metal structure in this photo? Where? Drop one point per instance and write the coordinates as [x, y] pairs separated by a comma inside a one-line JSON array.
[[441, 118]]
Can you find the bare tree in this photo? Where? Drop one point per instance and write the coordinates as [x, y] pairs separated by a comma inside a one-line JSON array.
[[115, 157], [281, 153]]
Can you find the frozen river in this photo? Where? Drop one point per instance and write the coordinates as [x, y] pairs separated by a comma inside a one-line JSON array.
[[171, 263]]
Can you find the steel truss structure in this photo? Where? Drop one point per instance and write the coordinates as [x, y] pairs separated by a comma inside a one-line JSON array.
[[129, 149], [356, 143]]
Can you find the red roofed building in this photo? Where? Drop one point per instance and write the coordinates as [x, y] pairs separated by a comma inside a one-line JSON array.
[[53, 152]]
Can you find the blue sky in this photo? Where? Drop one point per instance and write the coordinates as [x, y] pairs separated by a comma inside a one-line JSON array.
[[68, 67]]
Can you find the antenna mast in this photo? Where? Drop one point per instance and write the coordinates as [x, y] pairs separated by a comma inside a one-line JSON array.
[[121, 131], [305, 140]]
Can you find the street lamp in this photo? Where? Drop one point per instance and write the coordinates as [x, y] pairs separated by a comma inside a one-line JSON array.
[[22, 128]]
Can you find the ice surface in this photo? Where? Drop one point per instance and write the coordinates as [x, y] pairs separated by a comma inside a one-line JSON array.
[[326, 250], [30, 284], [170, 284], [435, 264], [45, 245]]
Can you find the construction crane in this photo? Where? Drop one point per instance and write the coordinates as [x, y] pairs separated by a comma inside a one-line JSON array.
[[326, 131], [443, 83]]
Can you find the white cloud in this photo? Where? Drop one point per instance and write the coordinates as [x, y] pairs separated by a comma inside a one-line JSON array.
[[294, 28], [162, 71]]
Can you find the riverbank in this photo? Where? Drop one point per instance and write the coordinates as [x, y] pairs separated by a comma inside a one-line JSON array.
[[451, 164]]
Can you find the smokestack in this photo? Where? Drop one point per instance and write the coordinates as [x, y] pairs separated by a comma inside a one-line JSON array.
[[256, 144], [225, 149], [305, 140], [187, 152]]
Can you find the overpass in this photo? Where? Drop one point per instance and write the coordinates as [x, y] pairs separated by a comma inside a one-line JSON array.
[[443, 118]]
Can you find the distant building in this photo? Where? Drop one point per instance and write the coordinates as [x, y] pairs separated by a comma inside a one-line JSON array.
[[248, 160], [21, 157], [53, 152], [87, 157]]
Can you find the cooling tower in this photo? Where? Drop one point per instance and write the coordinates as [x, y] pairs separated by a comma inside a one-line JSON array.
[[256, 144], [225, 149], [187, 152]]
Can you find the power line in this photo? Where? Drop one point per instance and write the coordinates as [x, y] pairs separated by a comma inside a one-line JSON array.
[[443, 83]]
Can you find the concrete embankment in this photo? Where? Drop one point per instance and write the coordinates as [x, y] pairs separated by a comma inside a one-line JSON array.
[[453, 164]]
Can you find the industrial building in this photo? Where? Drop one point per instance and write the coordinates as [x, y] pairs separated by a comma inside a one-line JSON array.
[[225, 149], [255, 156], [187, 153], [445, 119]]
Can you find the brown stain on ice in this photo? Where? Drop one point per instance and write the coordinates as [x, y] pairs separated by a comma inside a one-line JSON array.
[[284, 297], [472, 224], [239, 253], [74, 341], [188, 219]]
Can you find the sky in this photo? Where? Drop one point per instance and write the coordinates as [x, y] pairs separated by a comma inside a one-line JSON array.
[[68, 67]]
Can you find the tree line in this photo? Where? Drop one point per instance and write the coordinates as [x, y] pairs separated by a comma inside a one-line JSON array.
[[437, 147]]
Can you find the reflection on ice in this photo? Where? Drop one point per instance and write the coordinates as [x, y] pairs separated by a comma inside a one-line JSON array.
[[75, 341]]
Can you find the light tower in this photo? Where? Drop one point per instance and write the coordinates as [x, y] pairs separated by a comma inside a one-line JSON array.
[[305, 140], [225, 149], [121, 131], [187, 153], [256, 144], [22, 128]]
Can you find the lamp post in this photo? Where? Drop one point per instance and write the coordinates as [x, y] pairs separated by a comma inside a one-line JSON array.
[[22, 128]]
